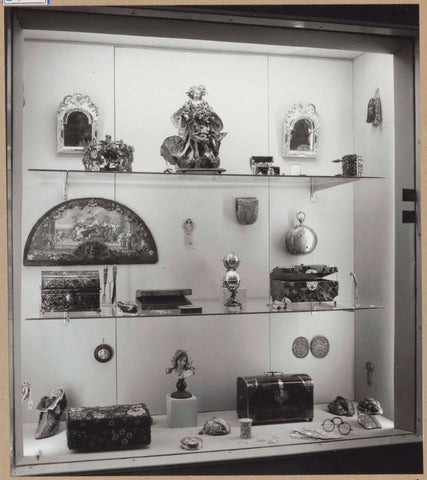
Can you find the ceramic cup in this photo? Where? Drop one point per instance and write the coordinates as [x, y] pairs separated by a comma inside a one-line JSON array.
[[245, 427]]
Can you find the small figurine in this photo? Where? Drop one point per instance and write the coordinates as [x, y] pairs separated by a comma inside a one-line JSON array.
[[181, 368], [199, 134]]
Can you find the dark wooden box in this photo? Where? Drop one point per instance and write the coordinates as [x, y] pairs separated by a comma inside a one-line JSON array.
[[162, 299], [108, 428], [70, 291], [275, 398]]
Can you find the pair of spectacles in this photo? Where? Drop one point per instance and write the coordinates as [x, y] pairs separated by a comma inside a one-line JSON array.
[[330, 423]]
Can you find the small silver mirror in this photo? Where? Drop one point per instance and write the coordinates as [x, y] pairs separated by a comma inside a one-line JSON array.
[[76, 124], [301, 131]]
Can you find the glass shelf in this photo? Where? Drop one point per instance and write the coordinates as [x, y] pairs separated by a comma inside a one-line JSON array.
[[252, 306], [315, 182]]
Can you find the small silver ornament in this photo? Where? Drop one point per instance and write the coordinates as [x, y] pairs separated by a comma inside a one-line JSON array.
[[231, 261]]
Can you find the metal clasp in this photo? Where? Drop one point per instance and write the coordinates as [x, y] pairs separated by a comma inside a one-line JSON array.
[[272, 373]]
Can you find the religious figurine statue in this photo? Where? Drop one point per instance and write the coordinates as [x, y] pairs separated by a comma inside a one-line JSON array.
[[181, 368], [199, 134]]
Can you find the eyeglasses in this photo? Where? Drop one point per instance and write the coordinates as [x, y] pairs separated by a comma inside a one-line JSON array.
[[330, 423]]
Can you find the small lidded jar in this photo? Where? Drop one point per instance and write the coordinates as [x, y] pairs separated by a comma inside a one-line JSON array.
[[245, 427]]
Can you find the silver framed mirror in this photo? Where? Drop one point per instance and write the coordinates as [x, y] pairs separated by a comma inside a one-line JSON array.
[[77, 123], [301, 131]]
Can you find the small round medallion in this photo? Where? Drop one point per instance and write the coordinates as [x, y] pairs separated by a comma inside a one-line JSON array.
[[103, 353], [319, 346], [300, 347]]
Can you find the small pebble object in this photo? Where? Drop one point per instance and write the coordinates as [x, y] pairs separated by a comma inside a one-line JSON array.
[[216, 426], [245, 427], [341, 406]]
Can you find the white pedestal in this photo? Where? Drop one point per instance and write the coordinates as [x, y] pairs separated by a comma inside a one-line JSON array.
[[181, 412]]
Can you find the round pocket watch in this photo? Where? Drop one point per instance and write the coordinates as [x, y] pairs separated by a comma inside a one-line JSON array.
[[301, 239]]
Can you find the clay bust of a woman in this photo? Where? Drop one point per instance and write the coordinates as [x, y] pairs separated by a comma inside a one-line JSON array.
[[181, 368]]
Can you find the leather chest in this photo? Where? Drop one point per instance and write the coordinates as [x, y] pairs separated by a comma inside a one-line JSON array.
[[275, 398]]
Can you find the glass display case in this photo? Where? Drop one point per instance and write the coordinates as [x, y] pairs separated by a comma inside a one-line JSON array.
[[354, 330]]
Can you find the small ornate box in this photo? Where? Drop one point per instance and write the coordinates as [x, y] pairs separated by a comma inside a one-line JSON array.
[[108, 428], [275, 398], [70, 291], [303, 283]]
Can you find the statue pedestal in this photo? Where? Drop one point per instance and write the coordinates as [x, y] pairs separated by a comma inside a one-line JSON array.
[[181, 412]]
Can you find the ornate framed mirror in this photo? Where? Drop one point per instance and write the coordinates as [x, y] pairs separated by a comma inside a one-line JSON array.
[[301, 131], [77, 123]]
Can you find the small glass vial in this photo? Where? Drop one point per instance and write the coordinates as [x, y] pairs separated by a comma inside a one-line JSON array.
[[245, 427]]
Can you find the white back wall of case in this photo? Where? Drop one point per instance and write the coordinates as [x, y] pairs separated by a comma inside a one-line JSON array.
[[237, 87], [222, 348], [52, 354], [325, 83], [375, 230], [136, 91]]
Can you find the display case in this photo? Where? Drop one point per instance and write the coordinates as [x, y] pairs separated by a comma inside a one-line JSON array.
[[344, 311]]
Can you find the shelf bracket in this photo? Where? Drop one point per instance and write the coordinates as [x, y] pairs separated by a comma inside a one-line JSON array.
[[312, 191], [67, 319], [65, 185], [38, 454]]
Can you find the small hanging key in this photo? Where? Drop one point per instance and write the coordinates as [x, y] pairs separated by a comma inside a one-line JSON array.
[[188, 228]]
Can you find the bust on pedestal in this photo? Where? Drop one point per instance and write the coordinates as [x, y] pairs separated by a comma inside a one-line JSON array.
[[181, 405]]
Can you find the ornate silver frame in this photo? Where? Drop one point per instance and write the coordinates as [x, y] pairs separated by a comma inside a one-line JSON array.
[[301, 111], [71, 104]]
